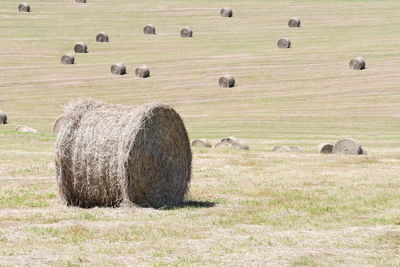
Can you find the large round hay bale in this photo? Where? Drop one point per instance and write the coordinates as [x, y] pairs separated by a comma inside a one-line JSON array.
[[325, 148], [149, 29], [232, 142], [108, 155], [142, 71], [201, 143], [57, 124], [357, 63], [294, 22], [24, 7], [118, 69], [226, 12], [347, 147], [25, 129], [284, 43], [68, 59], [80, 48], [186, 32], [102, 37], [80, 1], [227, 81], [3, 117]]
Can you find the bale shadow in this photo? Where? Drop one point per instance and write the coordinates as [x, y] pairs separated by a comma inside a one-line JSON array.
[[192, 204]]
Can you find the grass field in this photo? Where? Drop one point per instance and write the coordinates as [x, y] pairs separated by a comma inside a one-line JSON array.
[[249, 208]]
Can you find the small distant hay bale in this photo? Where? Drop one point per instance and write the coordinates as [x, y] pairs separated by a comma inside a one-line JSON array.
[[295, 149], [227, 81], [149, 29], [201, 143], [57, 124], [25, 129], [357, 63], [3, 117], [118, 69], [284, 43], [347, 147], [80, 1], [24, 7], [111, 155], [286, 149], [294, 22], [68, 59], [325, 148], [80, 48], [102, 37], [186, 32], [232, 142], [226, 12], [142, 71]]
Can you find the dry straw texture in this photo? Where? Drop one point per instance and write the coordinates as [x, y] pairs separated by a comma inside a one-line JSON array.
[[57, 124], [226, 12], [3, 117], [149, 29], [227, 81], [142, 71], [24, 7], [284, 43], [68, 59], [80, 48], [118, 69], [325, 148], [186, 32], [357, 63], [108, 155], [232, 142], [294, 22], [102, 37], [347, 147], [201, 143], [25, 129]]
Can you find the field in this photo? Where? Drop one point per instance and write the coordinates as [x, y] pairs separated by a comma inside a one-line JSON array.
[[245, 208]]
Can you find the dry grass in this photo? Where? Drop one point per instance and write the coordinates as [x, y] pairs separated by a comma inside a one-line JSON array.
[[271, 208]]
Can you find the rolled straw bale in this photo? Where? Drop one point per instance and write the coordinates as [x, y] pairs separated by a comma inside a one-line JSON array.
[[25, 129], [227, 81], [325, 148], [149, 29], [57, 125], [284, 43], [226, 12], [201, 143], [232, 142], [295, 149], [118, 69], [347, 147], [80, 48], [109, 155], [186, 32], [294, 22], [68, 59], [142, 71], [24, 7], [102, 37], [357, 63], [285, 149], [3, 117], [80, 1]]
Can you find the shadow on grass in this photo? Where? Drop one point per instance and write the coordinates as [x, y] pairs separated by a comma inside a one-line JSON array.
[[192, 204]]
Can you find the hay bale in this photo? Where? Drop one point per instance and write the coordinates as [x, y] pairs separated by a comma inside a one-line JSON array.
[[357, 63], [68, 59], [118, 69], [3, 117], [294, 22], [25, 129], [24, 7], [102, 37], [347, 147], [232, 142], [80, 48], [286, 149], [201, 143], [149, 29], [284, 43], [80, 1], [57, 124], [186, 32], [295, 149], [325, 148], [142, 71], [109, 155], [226, 12], [227, 81]]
